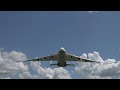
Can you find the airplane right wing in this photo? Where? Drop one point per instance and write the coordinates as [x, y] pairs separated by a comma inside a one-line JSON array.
[[46, 58], [70, 57]]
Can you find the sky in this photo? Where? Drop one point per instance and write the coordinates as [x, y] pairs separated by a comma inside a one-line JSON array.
[[30, 34]]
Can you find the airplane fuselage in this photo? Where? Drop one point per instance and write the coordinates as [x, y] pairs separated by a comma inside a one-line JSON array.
[[62, 58]]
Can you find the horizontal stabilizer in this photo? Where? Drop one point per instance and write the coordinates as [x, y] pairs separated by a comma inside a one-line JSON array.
[[53, 64], [70, 64]]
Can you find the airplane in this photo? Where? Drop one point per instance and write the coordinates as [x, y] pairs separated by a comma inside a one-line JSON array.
[[62, 56]]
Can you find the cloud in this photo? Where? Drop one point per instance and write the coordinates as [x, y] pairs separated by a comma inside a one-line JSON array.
[[93, 12], [10, 68], [107, 69], [6, 78], [13, 55]]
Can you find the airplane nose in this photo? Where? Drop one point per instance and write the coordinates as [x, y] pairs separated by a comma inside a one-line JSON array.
[[62, 48]]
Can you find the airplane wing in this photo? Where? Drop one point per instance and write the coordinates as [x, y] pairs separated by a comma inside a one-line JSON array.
[[70, 57], [46, 58]]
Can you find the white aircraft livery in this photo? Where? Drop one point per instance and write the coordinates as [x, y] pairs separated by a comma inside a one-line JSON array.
[[62, 57]]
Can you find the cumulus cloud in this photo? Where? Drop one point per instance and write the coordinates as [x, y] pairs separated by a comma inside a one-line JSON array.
[[10, 68], [93, 11], [107, 69]]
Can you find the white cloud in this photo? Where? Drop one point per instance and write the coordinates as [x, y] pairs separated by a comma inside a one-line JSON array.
[[56, 73], [6, 78], [10, 69], [93, 12], [107, 69], [13, 55]]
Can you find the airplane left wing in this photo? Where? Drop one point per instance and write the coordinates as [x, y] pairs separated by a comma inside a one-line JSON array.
[[46, 58], [70, 57]]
